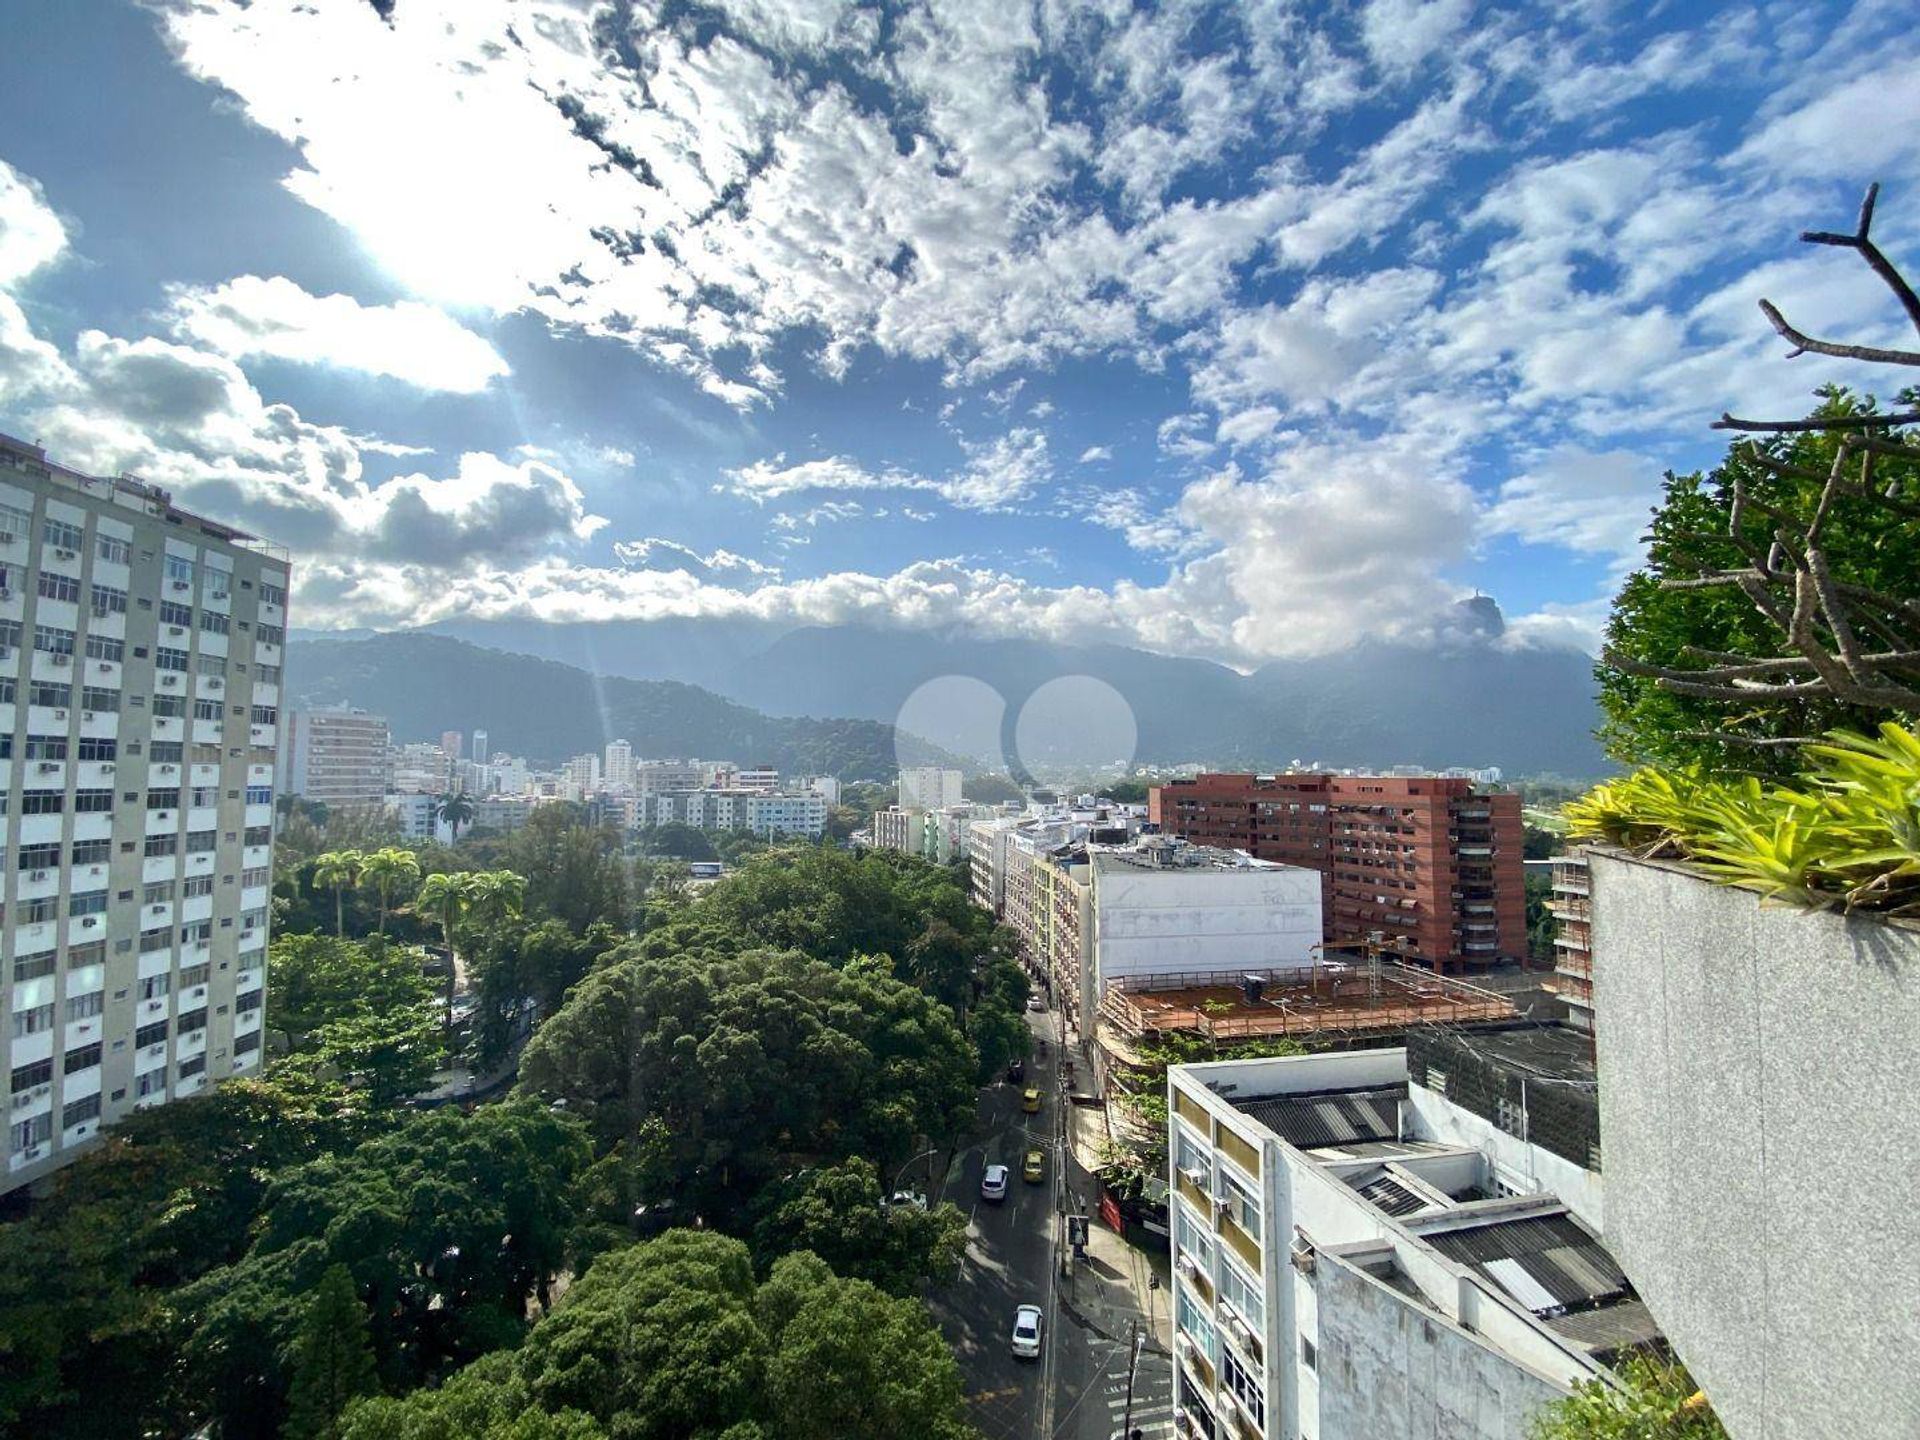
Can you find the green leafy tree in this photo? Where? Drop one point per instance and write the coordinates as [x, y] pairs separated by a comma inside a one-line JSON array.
[[332, 1359], [338, 871], [447, 1226], [753, 1062], [313, 980], [840, 1214], [444, 898], [576, 873], [679, 842], [385, 870]]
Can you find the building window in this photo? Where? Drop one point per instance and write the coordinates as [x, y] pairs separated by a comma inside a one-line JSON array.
[[14, 523], [179, 570], [29, 1133], [152, 1034], [46, 692], [206, 709], [114, 551], [93, 902], [169, 707], [152, 941], [159, 845], [43, 802], [85, 1007], [52, 640], [163, 799], [32, 967], [213, 622], [33, 1021], [167, 659], [105, 647], [166, 752], [259, 794], [92, 802], [195, 885], [156, 987], [78, 1112], [211, 667], [1309, 1357], [59, 587], [46, 747], [203, 842], [85, 1058], [172, 612], [39, 857], [97, 747], [62, 535], [272, 594], [269, 634], [81, 956], [247, 1043]]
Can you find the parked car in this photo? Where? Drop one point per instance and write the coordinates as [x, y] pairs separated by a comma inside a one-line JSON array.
[[1036, 1004], [1026, 1332], [909, 1197], [993, 1184], [1016, 1072], [1035, 1167], [1030, 1101]]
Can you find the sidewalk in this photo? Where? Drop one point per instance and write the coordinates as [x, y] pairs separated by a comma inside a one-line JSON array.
[[1114, 1284]]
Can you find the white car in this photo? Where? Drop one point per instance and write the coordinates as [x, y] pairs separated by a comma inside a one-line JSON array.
[[993, 1184], [1026, 1332], [1036, 1004]]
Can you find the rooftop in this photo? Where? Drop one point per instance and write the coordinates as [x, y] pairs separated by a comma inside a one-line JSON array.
[[1332, 998]]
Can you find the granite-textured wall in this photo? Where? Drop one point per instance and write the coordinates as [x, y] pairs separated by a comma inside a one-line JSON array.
[[1391, 1370], [1760, 1126]]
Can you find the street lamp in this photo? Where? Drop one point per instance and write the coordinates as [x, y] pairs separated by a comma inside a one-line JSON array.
[[902, 1172]]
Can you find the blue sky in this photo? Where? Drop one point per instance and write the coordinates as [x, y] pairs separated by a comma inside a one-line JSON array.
[[1241, 331]]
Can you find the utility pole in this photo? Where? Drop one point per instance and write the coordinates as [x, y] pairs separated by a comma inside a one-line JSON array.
[[1135, 1342]]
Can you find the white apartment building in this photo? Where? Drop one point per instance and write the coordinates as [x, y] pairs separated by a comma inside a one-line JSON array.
[[480, 750], [421, 768], [140, 664], [651, 777], [763, 778], [337, 757], [1391, 1242], [582, 772], [799, 815], [414, 814], [503, 813], [618, 767], [928, 787]]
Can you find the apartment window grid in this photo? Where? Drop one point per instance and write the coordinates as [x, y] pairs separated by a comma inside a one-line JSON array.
[[69, 544]]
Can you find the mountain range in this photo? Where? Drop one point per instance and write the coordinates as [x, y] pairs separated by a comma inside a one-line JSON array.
[[680, 686]]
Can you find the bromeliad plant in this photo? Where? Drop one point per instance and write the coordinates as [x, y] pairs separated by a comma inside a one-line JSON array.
[[1845, 832]]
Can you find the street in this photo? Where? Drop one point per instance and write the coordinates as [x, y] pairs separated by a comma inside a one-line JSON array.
[[1077, 1388]]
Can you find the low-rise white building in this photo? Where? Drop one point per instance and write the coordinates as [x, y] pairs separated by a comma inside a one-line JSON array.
[[413, 814], [1391, 1242], [928, 787]]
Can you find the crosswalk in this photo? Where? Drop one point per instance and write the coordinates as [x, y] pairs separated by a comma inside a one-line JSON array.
[[1152, 1408]]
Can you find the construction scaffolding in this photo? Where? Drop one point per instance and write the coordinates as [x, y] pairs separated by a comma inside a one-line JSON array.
[[1332, 1002]]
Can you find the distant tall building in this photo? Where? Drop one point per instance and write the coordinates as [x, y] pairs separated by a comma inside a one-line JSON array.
[[1425, 860], [140, 660], [480, 751], [450, 744], [338, 758], [584, 772], [619, 767], [928, 787], [1572, 908]]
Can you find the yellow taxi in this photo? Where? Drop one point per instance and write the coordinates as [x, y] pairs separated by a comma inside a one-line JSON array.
[[1035, 1168], [1030, 1102]]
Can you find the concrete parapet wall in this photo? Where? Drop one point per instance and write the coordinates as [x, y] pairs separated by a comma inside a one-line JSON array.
[[1760, 1122]]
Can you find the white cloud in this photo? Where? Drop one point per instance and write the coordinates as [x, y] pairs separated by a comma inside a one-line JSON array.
[[1154, 531], [251, 317], [1095, 453], [1401, 33], [997, 474], [31, 235], [1873, 121], [1596, 504], [653, 553]]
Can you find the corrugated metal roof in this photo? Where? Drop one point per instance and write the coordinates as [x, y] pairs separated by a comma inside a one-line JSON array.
[[1388, 1194], [1555, 1250], [1337, 1117]]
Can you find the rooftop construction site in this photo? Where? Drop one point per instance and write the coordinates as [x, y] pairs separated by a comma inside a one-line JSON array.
[[1330, 1002]]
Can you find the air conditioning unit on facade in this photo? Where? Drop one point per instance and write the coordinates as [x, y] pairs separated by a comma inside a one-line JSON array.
[[65, 555], [1186, 1267], [63, 660], [181, 585]]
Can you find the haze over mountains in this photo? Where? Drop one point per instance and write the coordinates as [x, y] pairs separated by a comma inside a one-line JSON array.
[[1471, 701]]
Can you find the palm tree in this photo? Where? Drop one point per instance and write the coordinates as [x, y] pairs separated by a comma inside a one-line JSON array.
[[339, 870], [383, 869], [496, 895], [456, 808], [444, 898]]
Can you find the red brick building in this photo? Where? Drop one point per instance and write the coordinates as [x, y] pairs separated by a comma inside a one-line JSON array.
[[1423, 857]]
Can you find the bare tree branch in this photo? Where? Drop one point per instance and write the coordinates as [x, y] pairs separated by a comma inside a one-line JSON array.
[[1839, 422], [1861, 240], [1804, 344]]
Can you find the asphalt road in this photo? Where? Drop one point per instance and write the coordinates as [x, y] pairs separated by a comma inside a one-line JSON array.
[[1077, 1388]]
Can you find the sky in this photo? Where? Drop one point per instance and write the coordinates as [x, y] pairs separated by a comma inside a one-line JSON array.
[[1240, 331]]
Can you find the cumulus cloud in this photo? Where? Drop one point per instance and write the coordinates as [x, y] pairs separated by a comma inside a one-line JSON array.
[[31, 235], [251, 317], [1596, 504]]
